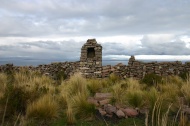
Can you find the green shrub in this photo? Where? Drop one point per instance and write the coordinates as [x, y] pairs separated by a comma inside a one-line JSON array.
[[184, 75], [60, 76], [151, 79], [82, 108], [113, 78], [16, 100]]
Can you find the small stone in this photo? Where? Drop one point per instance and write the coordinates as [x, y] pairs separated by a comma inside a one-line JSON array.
[[92, 101], [109, 115], [110, 109], [102, 112], [103, 102], [120, 114], [130, 112], [187, 111]]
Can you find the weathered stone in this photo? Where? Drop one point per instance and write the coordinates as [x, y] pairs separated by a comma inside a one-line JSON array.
[[186, 111], [103, 102], [120, 114], [102, 112], [92, 101], [110, 109], [130, 112]]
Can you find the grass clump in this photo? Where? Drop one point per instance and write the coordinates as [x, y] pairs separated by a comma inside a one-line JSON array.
[[151, 79], [135, 98], [82, 108], [43, 109], [94, 86]]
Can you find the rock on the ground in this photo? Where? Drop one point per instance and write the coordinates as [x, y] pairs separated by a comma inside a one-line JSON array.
[[102, 96], [110, 109], [120, 114], [102, 112], [130, 112], [92, 101], [104, 102]]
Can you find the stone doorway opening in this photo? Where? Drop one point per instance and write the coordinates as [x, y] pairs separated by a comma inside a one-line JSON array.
[[90, 53]]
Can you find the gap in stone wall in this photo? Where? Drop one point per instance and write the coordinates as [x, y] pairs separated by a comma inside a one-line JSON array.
[[90, 53]]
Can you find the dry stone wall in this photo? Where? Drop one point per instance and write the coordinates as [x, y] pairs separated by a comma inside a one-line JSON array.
[[135, 69], [91, 59], [90, 66]]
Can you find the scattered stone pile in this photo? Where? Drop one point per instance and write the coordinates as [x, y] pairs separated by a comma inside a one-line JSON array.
[[102, 103]]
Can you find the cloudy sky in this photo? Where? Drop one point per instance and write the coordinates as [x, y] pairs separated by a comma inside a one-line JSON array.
[[56, 29]]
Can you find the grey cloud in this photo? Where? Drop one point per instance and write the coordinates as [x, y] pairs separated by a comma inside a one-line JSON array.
[[84, 17], [70, 50], [147, 47], [43, 50]]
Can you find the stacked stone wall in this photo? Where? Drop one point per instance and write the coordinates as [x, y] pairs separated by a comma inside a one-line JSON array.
[[91, 59], [135, 69]]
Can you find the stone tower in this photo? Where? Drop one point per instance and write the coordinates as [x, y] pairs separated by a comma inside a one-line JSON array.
[[91, 59]]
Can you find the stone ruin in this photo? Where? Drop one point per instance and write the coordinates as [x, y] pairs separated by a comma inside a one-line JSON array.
[[90, 65], [91, 59]]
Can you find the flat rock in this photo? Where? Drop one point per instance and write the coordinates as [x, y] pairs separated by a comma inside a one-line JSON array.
[[104, 102], [130, 112], [102, 96], [92, 101]]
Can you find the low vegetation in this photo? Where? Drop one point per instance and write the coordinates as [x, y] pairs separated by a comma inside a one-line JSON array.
[[28, 98]]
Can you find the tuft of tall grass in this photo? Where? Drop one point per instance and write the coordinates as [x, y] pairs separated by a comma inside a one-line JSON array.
[[151, 97], [135, 98], [70, 115], [113, 78], [82, 108], [185, 89], [118, 93], [94, 86], [45, 108], [3, 82], [133, 84], [160, 117], [76, 84], [170, 91], [173, 80]]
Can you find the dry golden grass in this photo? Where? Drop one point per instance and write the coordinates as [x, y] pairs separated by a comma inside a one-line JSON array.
[[70, 115], [71, 95], [44, 108], [76, 84], [94, 86], [185, 89], [81, 107], [3, 84]]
